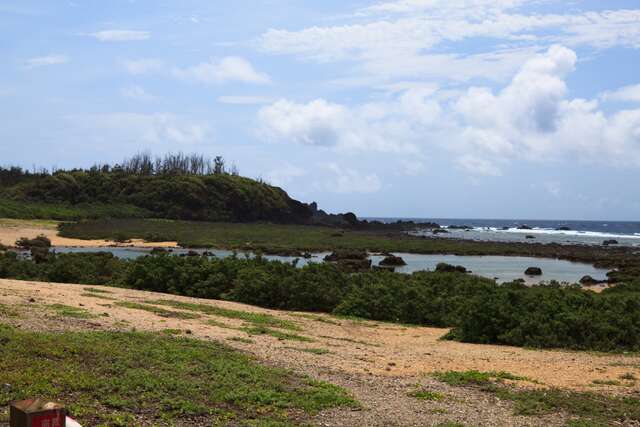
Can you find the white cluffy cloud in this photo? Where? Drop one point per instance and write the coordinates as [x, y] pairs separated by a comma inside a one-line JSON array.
[[627, 93], [401, 43], [383, 127], [531, 118], [231, 68], [120, 35], [41, 61]]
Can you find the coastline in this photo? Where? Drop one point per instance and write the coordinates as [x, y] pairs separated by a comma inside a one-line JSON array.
[[298, 241]]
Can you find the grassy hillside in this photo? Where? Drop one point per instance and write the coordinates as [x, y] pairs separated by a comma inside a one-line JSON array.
[[162, 191], [126, 378]]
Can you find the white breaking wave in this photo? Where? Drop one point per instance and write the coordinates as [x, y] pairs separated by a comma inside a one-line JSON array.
[[549, 231]]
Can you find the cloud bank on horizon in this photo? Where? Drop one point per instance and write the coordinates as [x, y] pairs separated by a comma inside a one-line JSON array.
[[418, 108]]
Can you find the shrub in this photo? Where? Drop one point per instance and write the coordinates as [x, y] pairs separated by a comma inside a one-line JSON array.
[[478, 309]]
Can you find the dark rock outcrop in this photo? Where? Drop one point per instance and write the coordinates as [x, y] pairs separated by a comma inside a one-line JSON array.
[[524, 227], [344, 254], [350, 261], [393, 261], [533, 271], [588, 281], [610, 242], [443, 267]]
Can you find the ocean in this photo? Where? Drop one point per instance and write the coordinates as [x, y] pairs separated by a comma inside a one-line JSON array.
[[626, 233]]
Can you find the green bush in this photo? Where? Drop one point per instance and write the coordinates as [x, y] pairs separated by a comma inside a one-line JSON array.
[[479, 310]]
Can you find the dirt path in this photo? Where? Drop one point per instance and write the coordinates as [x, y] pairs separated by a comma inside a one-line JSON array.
[[381, 363], [12, 230]]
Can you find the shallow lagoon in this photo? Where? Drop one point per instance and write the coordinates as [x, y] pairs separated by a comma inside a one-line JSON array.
[[501, 267]]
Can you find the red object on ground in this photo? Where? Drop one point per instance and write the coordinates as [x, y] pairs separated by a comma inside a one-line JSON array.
[[37, 413]]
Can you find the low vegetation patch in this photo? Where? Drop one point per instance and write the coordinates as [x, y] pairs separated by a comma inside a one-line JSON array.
[[607, 382], [99, 296], [172, 331], [98, 291], [585, 408], [421, 394], [8, 311], [320, 319], [253, 318], [70, 311], [316, 351], [478, 378], [157, 310], [261, 330], [124, 379], [242, 340]]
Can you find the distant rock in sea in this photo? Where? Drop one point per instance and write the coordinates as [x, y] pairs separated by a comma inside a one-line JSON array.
[[610, 242]]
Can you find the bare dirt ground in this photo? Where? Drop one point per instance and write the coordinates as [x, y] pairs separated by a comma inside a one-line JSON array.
[[380, 363], [12, 230]]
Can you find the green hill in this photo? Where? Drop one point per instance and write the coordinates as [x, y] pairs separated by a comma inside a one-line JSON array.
[[176, 187]]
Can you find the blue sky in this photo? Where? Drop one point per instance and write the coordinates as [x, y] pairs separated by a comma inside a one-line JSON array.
[[416, 108]]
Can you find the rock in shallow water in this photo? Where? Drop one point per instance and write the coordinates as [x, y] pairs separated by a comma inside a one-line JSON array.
[[393, 260], [533, 271]]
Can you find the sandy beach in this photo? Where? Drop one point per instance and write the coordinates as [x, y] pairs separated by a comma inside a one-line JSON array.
[[12, 230]]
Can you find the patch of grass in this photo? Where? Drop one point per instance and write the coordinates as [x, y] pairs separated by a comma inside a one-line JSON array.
[[157, 310], [99, 296], [584, 423], [465, 378], [321, 319], [253, 318], [172, 331], [242, 340], [124, 379], [421, 394], [261, 330], [316, 351], [219, 324], [358, 321], [8, 312], [69, 311], [350, 340], [606, 382], [449, 424], [630, 376], [592, 408], [97, 291]]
